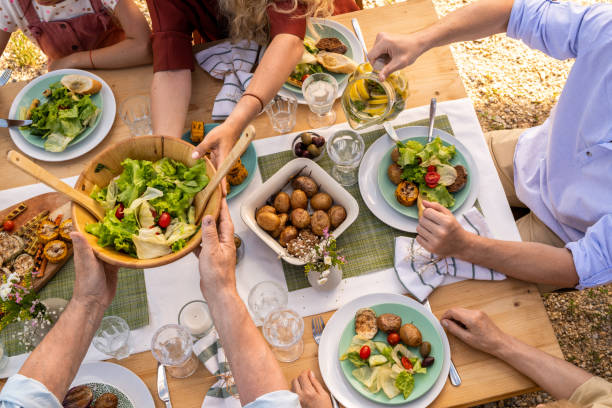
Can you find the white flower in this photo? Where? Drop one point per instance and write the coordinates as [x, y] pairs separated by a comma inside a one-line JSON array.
[[5, 290], [322, 281], [327, 260], [325, 273]]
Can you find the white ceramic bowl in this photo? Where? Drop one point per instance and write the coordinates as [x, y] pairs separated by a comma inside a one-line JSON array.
[[278, 182]]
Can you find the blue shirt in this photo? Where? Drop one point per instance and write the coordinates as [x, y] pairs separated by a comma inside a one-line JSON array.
[[563, 168]]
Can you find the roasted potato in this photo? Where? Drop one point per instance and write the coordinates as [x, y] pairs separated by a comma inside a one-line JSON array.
[[282, 202], [321, 201], [337, 214], [283, 221], [265, 208], [306, 184], [299, 199], [394, 172], [300, 218], [395, 155], [106, 400], [319, 222], [268, 221], [78, 397], [411, 335], [389, 322], [287, 235], [365, 323]]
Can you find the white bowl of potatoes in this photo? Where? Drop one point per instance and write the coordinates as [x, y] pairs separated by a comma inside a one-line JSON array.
[[296, 206]]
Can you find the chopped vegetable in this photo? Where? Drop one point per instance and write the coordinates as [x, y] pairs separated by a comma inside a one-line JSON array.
[[8, 225], [164, 220], [364, 353], [405, 383], [406, 363], [393, 339]]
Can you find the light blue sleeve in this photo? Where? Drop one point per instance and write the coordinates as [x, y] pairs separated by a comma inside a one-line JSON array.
[[276, 399], [24, 392], [561, 30], [593, 254]]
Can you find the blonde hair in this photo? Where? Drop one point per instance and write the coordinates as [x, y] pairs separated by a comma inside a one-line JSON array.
[[248, 19], [560, 404]]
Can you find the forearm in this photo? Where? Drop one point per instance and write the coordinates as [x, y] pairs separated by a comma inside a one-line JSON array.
[[245, 348], [58, 357], [127, 53], [170, 96]]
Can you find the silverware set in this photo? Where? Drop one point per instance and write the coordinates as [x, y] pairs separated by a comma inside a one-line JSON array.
[[6, 75]]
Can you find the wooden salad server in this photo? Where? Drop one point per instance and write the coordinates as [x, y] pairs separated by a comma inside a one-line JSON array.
[[34, 170]]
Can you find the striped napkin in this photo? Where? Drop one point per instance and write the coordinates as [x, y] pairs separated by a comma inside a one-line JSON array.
[[421, 272], [223, 393], [232, 63]]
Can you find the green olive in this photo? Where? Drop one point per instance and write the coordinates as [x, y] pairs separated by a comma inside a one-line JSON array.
[[425, 349]]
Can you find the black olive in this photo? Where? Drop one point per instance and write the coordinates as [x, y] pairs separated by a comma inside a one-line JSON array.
[[428, 361]]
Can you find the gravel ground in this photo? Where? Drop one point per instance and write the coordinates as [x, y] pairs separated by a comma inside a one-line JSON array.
[[511, 86]]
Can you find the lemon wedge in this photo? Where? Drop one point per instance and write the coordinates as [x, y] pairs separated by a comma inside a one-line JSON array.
[[378, 101], [81, 84], [375, 110], [365, 68], [362, 89]]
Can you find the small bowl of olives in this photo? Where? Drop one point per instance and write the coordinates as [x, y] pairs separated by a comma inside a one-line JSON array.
[[309, 145]]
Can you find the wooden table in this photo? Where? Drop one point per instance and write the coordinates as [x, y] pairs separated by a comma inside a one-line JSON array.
[[515, 306]]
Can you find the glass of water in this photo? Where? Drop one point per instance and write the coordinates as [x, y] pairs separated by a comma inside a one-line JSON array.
[[172, 346], [345, 148], [283, 330], [113, 337], [265, 297], [320, 91], [282, 111], [135, 111]]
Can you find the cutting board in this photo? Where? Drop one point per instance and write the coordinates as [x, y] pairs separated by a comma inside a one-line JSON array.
[[55, 203]]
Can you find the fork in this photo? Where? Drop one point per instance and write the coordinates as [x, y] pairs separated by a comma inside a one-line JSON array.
[[317, 330], [6, 75]]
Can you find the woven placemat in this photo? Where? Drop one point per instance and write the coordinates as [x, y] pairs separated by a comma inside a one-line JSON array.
[[368, 244], [130, 302]]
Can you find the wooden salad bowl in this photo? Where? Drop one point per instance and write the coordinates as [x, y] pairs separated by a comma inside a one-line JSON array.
[[107, 165]]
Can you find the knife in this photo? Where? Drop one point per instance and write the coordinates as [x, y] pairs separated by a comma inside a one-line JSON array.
[[11, 122], [162, 385]]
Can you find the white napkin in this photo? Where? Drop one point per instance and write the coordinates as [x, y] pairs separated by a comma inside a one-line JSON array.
[[233, 64], [223, 393], [421, 272]]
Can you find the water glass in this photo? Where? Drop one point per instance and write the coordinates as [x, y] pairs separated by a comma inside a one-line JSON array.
[[196, 318], [3, 355], [265, 297], [320, 91], [135, 111], [282, 111], [113, 337], [345, 148], [172, 346], [283, 330]]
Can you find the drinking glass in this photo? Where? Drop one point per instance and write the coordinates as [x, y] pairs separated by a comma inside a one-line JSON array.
[[196, 318], [135, 111], [282, 112], [113, 337], [345, 148], [172, 346], [265, 297], [3, 355], [283, 330], [320, 91]]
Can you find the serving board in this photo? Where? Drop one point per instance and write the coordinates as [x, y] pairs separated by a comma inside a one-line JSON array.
[[55, 203]]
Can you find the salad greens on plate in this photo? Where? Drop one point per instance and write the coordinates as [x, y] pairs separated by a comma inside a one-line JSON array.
[[149, 207]]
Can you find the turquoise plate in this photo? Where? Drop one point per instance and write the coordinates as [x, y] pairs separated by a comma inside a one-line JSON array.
[[36, 93], [248, 158], [326, 31], [387, 188], [422, 382]]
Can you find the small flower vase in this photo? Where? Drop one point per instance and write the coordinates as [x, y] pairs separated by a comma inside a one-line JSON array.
[[35, 330], [326, 280]]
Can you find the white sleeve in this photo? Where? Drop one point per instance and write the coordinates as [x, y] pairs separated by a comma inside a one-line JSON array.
[[276, 399], [24, 392]]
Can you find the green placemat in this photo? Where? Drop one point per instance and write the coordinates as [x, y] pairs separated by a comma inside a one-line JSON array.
[[368, 244], [130, 302]]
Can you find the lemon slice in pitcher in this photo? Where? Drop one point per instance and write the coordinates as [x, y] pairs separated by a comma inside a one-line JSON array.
[[81, 84]]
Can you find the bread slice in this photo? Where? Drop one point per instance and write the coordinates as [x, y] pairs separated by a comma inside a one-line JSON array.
[[365, 323], [81, 84]]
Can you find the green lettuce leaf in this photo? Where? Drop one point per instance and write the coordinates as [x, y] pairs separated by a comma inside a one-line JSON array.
[[438, 194], [437, 149], [408, 152], [115, 233], [405, 383], [414, 174], [354, 358]]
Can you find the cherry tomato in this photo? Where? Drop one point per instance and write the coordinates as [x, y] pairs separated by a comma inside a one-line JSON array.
[[431, 179], [393, 338], [364, 353], [8, 225], [406, 363], [304, 77], [431, 168], [119, 212], [164, 220]]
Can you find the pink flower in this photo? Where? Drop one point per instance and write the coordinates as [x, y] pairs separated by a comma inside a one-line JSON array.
[[326, 232]]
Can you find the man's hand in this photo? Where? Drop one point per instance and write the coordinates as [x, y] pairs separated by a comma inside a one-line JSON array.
[[474, 328], [95, 282], [439, 231], [403, 50], [219, 142], [218, 254], [311, 392]]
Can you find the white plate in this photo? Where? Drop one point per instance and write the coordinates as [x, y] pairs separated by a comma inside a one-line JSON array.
[[119, 377], [95, 138], [353, 43], [368, 177], [331, 371]]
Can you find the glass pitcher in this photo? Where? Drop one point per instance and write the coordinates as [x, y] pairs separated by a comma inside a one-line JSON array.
[[368, 101]]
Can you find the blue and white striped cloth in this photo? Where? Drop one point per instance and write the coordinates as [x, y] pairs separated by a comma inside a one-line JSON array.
[[233, 64], [421, 272]]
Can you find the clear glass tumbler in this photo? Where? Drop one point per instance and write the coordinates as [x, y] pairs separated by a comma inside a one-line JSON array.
[[265, 297], [113, 337], [282, 111], [345, 148], [135, 111], [172, 346], [320, 91], [283, 330]]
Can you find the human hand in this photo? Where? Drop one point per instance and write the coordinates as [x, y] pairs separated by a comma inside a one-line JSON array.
[[439, 231], [310, 391], [95, 282], [402, 49], [219, 142], [61, 63], [218, 254], [474, 328]]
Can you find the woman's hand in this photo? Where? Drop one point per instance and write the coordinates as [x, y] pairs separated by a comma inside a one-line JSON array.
[[402, 49], [219, 142], [310, 391], [439, 231], [474, 328], [65, 62]]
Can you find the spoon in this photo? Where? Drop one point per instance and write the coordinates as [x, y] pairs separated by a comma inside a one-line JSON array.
[[391, 132], [432, 118]]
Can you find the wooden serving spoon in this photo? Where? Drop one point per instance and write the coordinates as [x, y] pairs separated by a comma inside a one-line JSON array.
[[34, 170]]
